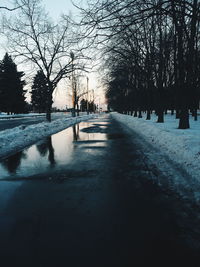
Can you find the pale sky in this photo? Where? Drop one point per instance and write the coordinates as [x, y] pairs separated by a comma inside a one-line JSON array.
[[62, 95], [57, 7]]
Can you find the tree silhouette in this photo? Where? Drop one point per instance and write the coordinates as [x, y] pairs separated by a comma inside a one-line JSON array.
[[39, 92], [13, 162], [12, 94], [155, 44]]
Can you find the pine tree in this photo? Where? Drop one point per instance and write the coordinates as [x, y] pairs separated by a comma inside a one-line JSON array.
[[83, 105], [39, 92], [12, 94]]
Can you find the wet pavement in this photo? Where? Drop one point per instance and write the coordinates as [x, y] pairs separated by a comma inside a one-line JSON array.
[[86, 197]]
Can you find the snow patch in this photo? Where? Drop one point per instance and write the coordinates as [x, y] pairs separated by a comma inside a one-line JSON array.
[[181, 146]]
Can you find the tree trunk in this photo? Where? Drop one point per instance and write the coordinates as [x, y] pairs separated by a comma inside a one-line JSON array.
[[77, 106], [195, 114], [184, 119], [49, 106], [148, 115], [160, 114], [48, 114], [140, 114], [177, 114], [74, 109]]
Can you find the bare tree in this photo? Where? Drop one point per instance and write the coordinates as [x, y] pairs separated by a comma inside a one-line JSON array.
[[40, 42]]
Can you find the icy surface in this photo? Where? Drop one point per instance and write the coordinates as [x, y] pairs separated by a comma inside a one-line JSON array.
[[181, 147], [13, 140]]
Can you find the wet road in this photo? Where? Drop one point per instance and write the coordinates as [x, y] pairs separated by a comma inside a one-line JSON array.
[[89, 199]]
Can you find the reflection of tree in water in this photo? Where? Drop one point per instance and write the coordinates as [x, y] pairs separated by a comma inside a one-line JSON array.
[[76, 132], [45, 147], [13, 162], [51, 156], [42, 148]]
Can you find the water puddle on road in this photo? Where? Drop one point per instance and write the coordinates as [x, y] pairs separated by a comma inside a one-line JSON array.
[[55, 152]]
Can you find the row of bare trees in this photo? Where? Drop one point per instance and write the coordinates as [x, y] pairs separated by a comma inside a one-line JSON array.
[[151, 54]]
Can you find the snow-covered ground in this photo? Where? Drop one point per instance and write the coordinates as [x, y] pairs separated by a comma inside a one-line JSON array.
[[3, 115], [181, 147], [13, 140]]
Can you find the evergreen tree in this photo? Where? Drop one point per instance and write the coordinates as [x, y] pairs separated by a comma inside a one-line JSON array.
[[83, 105], [39, 92], [12, 95]]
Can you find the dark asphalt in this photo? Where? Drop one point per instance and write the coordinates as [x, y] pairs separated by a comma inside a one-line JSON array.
[[103, 210]]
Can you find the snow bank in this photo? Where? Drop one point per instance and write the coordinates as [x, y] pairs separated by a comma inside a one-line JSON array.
[[4, 116], [15, 139], [181, 146], [16, 116]]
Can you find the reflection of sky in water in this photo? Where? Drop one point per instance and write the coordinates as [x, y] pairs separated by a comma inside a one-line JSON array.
[[54, 152]]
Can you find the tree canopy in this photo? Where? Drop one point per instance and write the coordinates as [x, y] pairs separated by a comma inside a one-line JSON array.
[[150, 52]]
